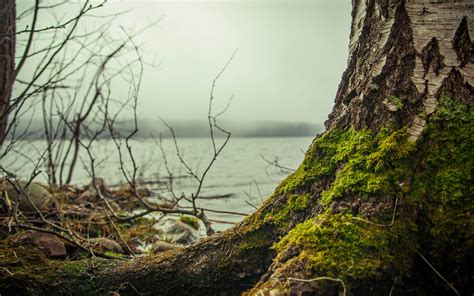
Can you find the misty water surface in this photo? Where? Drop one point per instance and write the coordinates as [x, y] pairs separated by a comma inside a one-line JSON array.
[[237, 171]]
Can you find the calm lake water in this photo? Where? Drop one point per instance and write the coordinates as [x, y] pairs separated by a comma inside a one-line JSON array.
[[239, 172]]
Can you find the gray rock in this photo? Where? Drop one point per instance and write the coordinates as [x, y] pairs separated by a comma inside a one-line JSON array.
[[38, 195], [50, 243], [161, 246], [177, 232], [104, 244]]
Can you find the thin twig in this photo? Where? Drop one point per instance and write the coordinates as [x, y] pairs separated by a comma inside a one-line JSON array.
[[8, 271], [393, 286], [323, 278], [439, 274]]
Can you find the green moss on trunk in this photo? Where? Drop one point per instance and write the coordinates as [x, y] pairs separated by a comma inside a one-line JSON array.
[[425, 187]]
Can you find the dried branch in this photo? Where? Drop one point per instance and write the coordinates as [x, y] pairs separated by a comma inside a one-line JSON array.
[[275, 163], [439, 274]]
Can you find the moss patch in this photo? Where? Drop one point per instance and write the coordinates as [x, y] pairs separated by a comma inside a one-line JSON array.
[[442, 187], [74, 267], [337, 245], [431, 179], [362, 161], [320, 160], [376, 166], [255, 240], [191, 221], [295, 203]]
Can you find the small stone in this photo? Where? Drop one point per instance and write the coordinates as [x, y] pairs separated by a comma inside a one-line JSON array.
[[37, 193], [177, 232], [162, 246], [90, 193], [50, 243], [104, 244]]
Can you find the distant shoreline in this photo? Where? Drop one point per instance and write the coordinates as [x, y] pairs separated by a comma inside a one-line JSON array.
[[149, 129]]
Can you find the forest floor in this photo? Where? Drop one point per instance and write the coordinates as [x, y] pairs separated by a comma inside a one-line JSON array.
[[74, 223]]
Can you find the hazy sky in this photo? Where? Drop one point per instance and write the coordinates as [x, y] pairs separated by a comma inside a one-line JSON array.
[[290, 58]]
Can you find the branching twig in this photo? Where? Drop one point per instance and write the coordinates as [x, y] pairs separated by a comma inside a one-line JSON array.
[[276, 164]]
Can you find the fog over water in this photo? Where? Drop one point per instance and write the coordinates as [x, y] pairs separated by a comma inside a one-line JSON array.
[[149, 128], [290, 58]]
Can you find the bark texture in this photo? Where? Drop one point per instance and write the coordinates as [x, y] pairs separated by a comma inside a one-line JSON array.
[[7, 60], [382, 203], [412, 51]]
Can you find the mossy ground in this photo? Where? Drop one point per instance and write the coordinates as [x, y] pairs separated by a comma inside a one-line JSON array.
[[25, 270], [18, 262]]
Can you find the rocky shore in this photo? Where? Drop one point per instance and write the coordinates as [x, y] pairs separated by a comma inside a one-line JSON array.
[[48, 217]]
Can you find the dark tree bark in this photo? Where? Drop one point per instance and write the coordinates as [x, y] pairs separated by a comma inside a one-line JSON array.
[[414, 50], [383, 200], [7, 61]]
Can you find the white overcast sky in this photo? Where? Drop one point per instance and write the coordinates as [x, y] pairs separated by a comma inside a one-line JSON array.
[[291, 55]]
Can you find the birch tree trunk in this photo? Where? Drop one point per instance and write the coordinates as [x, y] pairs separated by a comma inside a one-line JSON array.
[[415, 50], [7, 60], [382, 203]]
